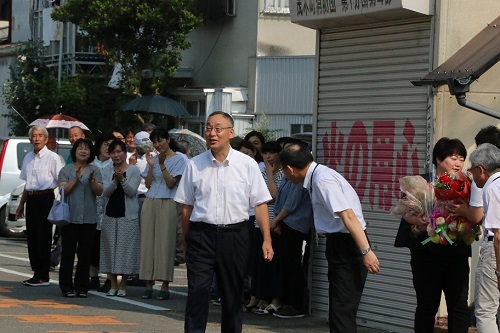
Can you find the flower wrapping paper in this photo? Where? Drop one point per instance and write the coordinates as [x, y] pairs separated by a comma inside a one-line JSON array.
[[433, 201]]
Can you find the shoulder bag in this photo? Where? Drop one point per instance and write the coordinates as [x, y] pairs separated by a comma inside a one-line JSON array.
[[59, 213]]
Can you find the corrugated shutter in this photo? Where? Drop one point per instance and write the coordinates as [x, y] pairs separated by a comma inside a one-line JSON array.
[[284, 91], [373, 128]]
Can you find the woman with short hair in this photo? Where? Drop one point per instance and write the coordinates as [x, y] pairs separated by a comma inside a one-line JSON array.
[[120, 235], [82, 183]]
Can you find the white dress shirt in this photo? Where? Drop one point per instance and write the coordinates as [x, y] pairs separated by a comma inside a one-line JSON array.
[[40, 171], [330, 195], [221, 193], [491, 202]]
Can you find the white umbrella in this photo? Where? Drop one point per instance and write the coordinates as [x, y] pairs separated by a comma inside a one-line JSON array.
[[59, 121]]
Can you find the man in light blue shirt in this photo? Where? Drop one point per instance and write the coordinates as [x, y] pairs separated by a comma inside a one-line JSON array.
[[294, 218]]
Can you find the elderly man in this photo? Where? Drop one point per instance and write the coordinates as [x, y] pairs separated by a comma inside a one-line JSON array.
[[337, 215], [40, 171], [485, 170], [216, 190], [74, 133]]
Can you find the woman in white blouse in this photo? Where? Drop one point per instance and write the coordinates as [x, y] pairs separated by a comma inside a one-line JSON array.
[[159, 214]]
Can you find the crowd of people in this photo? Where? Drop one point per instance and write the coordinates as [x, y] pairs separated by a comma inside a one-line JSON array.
[[239, 215], [138, 204]]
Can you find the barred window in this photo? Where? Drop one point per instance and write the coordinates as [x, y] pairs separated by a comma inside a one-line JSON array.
[[276, 7]]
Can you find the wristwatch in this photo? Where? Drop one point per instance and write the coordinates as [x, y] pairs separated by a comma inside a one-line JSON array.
[[497, 273], [365, 251]]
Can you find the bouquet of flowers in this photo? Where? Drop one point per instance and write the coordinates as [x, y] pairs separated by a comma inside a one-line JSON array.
[[444, 226]]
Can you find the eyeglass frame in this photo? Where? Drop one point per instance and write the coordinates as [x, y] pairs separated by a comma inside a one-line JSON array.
[[218, 130], [472, 168]]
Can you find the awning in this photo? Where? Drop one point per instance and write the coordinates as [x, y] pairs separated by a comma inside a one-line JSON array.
[[471, 61], [467, 65]]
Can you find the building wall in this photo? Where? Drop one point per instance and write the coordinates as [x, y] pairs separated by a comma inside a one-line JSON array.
[[224, 52], [278, 36], [21, 18], [220, 50], [457, 23], [5, 61]]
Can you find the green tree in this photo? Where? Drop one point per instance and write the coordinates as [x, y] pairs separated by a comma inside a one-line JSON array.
[[262, 126], [33, 90], [140, 35]]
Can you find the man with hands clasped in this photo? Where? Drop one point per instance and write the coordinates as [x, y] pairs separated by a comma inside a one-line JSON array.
[[337, 215]]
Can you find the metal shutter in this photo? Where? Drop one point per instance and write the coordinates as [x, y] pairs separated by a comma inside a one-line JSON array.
[[373, 126]]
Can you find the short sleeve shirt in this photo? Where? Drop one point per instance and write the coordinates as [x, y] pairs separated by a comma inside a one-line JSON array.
[[81, 200], [331, 194], [491, 202], [175, 166], [221, 193], [41, 170]]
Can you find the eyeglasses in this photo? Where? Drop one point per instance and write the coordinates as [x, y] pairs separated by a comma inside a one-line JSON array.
[[217, 130], [472, 168]]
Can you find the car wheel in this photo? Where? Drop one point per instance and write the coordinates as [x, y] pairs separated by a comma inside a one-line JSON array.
[[3, 227]]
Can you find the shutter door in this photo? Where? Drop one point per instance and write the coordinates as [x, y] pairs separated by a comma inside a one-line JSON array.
[[373, 127]]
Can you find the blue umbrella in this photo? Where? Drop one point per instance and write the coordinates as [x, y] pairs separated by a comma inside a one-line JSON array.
[[156, 104]]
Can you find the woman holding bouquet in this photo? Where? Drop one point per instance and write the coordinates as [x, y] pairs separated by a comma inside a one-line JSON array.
[[441, 267]]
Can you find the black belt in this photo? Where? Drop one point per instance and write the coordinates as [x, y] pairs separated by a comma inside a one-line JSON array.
[[490, 238], [337, 234], [39, 192], [219, 227]]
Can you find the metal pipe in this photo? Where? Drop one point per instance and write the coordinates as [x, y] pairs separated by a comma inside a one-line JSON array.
[[461, 99]]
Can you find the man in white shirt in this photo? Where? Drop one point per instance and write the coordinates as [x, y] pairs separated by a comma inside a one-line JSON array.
[[40, 171], [338, 215], [216, 190], [486, 295], [485, 170]]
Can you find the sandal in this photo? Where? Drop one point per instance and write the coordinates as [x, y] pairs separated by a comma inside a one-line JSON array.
[[270, 309], [163, 295], [69, 294], [121, 293], [249, 308], [111, 292], [148, 293]]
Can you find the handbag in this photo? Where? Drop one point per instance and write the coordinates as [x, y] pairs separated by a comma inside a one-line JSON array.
[[59, 213]]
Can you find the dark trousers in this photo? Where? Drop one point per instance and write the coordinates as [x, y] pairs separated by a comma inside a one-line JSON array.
[[224, 253], [96, 249], [266, 276], [76, 239], [433, 274], [39, 233], [291, 275], [346, 276]]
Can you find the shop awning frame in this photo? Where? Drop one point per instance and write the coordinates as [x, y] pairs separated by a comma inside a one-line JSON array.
[[463, 68]]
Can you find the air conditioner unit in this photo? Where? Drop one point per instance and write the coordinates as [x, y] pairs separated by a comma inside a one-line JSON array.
[[215, 9]]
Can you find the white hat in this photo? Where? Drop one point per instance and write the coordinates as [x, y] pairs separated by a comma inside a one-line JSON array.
[[141, 138]]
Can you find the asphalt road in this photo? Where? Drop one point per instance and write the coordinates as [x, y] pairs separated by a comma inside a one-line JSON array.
[[43, 309]]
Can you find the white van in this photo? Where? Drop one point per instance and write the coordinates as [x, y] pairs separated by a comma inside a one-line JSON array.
[[12, 152]]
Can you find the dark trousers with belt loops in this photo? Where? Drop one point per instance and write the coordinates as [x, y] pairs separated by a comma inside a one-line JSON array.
[[346, 276], [223, 252], [39, 233]]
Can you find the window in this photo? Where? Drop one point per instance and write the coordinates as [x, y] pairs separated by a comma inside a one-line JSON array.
[[300, 128], [196, 109], [5, 19], [276, 7]]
